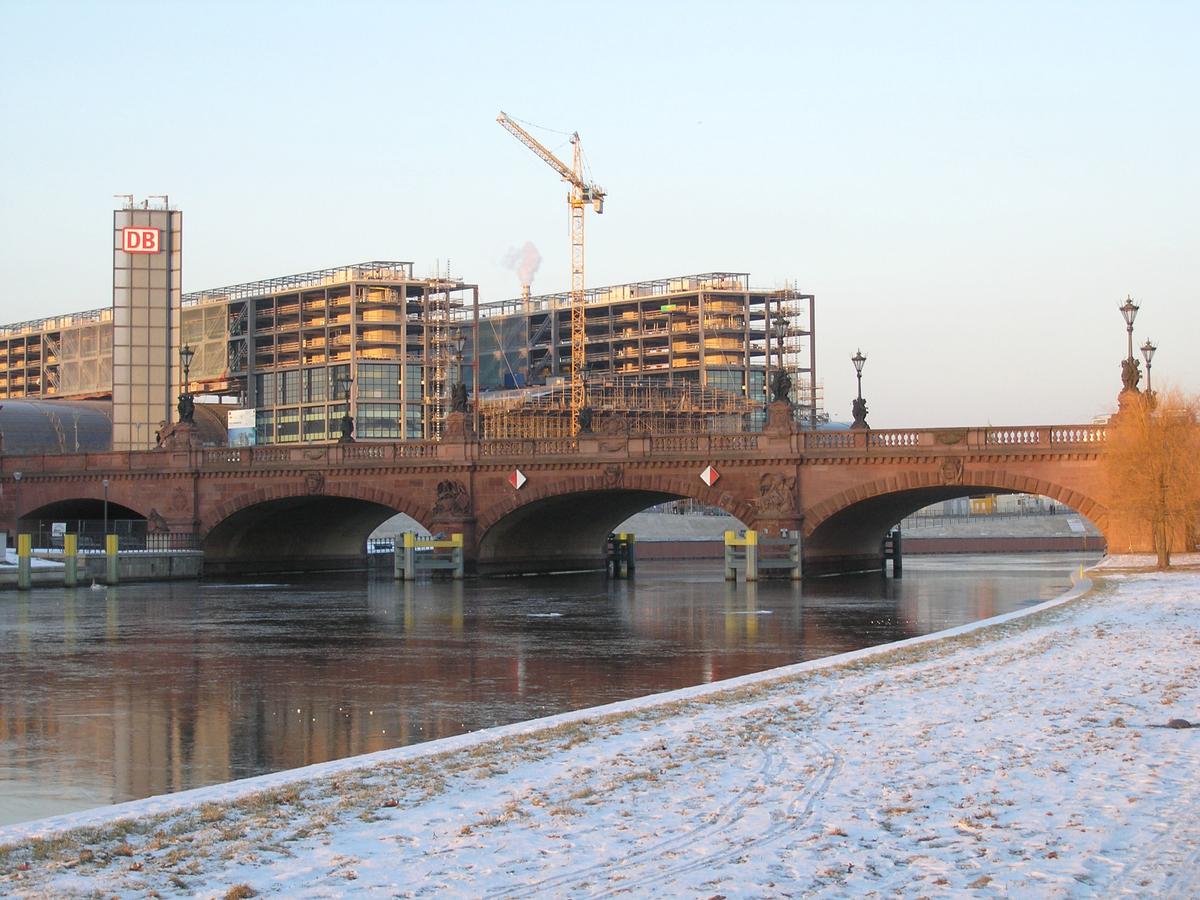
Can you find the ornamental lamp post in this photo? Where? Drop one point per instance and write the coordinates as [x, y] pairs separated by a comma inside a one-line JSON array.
[[186, 354], [1129, 312], [17, 502], [344, 382], [187, 408], [1148, 354], [860, 405], [781, 330], [458, 342], [1130, 369]]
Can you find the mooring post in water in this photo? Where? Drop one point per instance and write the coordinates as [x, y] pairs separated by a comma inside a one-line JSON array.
[[751, 555], [410, 556], [456, 554], [24, 562], [110, 551], [630, 554], [619, 555], [70, 560], [797, 558], [398, 556], [897, 555], [750, 545]]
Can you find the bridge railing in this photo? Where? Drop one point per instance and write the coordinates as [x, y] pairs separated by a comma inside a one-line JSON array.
[[528, 447], [368, 454], [334, 454], [1024, 436]]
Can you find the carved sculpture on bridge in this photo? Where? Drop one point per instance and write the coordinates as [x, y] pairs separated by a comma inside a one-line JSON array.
[[452, 499], [155, 523], [781, 387], [1131, 373], [458, 398], [952, 470], [776, 495], [186, 408], [314, 483], [859, 408]]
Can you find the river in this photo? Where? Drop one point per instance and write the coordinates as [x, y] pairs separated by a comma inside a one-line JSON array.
[[122, 693]]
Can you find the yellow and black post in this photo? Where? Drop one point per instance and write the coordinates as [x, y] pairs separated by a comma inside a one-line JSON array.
[[24, 562], [111, 557], [70, 560]]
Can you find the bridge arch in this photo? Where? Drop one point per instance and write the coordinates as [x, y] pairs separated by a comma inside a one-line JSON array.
[[849, 527], [277, 528], [74, 500], [580, 512]]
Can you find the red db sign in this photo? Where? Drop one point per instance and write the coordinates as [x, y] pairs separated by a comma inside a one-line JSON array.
[[140, 240]]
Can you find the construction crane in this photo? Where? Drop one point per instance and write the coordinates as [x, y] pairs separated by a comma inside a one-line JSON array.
[[580, 194]]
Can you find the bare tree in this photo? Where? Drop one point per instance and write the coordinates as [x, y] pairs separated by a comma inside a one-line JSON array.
[[1152, 463]]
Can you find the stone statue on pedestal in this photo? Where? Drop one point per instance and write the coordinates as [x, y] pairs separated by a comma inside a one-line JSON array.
[[781, 387], [860, 413]]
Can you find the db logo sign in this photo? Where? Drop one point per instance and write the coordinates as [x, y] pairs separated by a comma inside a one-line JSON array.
[[140, 240]]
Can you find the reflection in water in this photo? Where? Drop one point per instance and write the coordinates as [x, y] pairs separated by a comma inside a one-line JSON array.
[[146, 689]]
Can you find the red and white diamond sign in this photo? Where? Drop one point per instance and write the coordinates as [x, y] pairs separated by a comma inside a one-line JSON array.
[[517, 478], [709, 476]]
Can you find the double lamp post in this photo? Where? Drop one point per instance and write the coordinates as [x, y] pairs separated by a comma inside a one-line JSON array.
[[1129, 367]]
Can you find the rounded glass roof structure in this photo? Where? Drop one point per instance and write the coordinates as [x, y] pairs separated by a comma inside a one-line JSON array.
[[55, 426]]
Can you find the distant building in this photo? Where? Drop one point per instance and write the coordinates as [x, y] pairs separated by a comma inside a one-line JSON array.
[[292, 348]]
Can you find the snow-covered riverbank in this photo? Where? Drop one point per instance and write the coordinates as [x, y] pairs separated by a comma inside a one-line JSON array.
[[1026, 757]]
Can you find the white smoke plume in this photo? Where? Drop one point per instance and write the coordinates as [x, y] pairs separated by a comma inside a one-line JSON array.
[[524, 260]]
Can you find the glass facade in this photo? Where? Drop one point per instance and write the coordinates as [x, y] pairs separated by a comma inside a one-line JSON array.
[[316, 385], [378, 420], [287, 425], [314, 423], [378, 381]]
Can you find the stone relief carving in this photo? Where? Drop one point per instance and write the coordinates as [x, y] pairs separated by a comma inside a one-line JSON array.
[[952, 470], [776, 495], [314, 483], [452, 499], [613, 475], [950, 437]]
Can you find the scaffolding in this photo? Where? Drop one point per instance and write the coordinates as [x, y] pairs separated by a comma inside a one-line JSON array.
[[792, 334], [618, 406]]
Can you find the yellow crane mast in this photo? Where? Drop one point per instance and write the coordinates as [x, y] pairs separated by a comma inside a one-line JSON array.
[[581, 193]]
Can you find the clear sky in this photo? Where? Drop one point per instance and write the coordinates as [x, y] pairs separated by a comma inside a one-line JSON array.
[[970, 189]]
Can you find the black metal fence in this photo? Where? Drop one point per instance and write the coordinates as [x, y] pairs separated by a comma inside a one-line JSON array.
[[132, 534]]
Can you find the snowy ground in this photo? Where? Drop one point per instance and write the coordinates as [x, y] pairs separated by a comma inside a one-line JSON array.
[[1025, 758]]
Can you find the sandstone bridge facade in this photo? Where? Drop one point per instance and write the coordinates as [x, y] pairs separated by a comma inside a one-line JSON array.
[[544, 505]]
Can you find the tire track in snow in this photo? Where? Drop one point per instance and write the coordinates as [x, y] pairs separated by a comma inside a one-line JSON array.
[[726, 814], [799, 810]]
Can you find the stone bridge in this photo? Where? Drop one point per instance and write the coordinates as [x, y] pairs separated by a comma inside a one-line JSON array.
[[548, 504]]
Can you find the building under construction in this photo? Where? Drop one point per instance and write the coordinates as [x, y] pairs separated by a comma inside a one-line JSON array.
[[386, 345], [698, 350]]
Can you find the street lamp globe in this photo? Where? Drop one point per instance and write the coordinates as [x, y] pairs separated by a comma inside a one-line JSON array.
[[858, 359], [186, 355], [1129, 311]]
